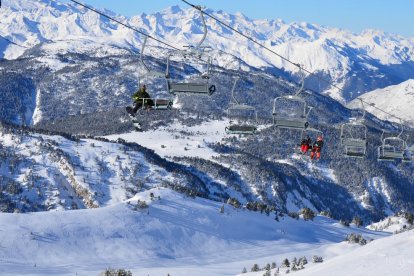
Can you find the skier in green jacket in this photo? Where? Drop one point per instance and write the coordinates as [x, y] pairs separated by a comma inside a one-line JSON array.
[[142, 99]]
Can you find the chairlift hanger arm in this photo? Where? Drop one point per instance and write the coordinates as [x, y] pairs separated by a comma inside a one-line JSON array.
[[141, 54], [198, 47], [302, 76], [233, 89]]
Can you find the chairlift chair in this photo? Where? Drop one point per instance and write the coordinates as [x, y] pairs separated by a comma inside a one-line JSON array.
[[313, 133], [242, 118], [245, 124], [354, 137], [202, 85], [392, 148], [157, 103], [299, 118]]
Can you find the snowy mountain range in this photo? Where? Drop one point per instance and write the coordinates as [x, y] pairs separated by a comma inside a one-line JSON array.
[[356, 62]]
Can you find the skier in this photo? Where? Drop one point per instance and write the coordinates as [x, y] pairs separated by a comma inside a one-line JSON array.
[[141, 99], [316, 148], [305, 144]]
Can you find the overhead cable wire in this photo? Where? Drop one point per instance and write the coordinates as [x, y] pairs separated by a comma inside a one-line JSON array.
[[281, 56]]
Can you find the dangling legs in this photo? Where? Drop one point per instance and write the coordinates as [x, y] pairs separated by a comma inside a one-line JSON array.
[[137, 105], [304, 149]]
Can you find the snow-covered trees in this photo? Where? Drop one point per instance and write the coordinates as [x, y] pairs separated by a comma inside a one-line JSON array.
[[356, 238], [285, 263], [307, 213], [255, 268], [116, 272], [317, 259]]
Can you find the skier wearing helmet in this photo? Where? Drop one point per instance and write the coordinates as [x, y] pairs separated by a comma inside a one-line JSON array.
[[316, 148], [305, 144]]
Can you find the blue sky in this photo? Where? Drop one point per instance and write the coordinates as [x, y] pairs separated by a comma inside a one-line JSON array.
[[396, 16]]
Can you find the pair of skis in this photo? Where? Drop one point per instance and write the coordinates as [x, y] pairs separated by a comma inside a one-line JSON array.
[[133, 118]]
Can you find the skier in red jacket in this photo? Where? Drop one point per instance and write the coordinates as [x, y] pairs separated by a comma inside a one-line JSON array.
[[305, 144], [317, 148]]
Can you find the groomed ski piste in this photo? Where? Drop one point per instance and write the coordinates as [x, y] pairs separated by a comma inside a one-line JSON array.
[[181, 235]]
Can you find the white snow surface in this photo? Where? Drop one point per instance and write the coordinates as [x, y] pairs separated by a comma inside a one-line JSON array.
[[176, 235], [391, 224], [169, 141], [389, 256], [395, 99]]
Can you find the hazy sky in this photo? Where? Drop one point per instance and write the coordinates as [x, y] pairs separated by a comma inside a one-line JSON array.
[[396, 16]]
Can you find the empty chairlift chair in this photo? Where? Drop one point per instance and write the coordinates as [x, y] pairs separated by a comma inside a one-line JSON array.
[[392, 148], [242, 118], [201, 85], [291, 111], [354, 137]]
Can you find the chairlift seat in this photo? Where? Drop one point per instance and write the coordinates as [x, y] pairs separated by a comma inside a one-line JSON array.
[[162, 104], [355, 154], [241, 129], [389, 154], [191, 88], [293, 123], [354, 143]]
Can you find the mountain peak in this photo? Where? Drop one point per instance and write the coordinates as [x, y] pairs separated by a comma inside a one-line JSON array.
[[175, 9]]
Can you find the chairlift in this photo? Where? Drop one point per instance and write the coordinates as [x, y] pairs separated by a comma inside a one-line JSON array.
[[354, 137], [201, 86], [392, 148], [242, 118], [296, 118], [157, 103]]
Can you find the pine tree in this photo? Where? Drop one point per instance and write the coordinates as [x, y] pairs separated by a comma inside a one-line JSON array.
[[273, 265], [255, 268], [303, 261], [222, 209], [294, 261], [244, 270], [285, 263]]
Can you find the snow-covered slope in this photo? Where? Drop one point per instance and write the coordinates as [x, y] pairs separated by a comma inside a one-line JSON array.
[[175, 234], [356, 62], [389, 256], [395, 99]]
